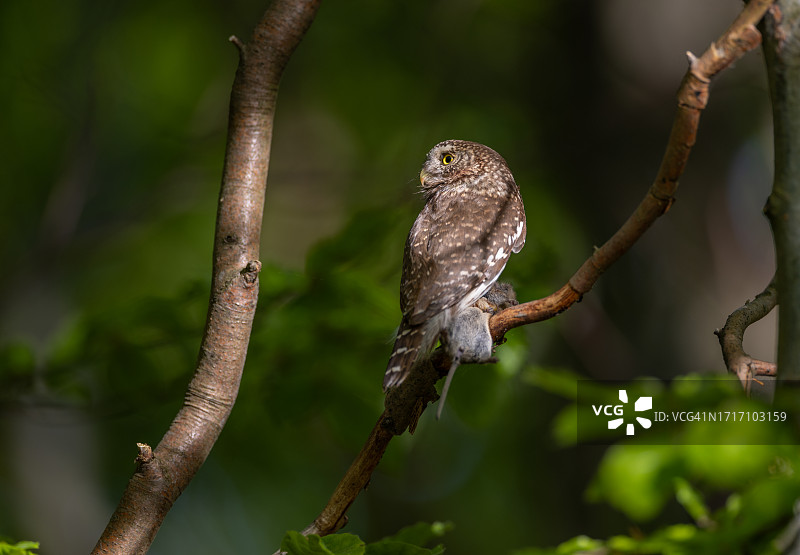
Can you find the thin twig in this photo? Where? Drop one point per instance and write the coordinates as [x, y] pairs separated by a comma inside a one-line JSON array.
[[731, 337], [405, 404]]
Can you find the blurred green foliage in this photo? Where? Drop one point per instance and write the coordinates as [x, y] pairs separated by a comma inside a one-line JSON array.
[[19, 548], [755, 487], [408, 541], [115, 119]]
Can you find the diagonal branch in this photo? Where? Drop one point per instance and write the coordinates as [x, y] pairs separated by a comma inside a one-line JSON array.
[[163, 473], [740, 37], [334, 516], [731, 337], [404, 405]]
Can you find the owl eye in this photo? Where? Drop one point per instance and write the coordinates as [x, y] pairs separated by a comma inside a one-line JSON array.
[[448, 159]]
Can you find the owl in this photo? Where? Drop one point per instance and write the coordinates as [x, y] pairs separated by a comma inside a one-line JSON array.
[[473, 219]]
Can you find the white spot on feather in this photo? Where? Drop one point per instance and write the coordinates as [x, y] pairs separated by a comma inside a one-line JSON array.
[[517, 233]]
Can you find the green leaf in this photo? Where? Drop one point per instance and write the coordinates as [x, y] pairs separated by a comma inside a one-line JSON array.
[[394, 547], [558, 381], [579, 543], [729, 465], [295, 543], [343, 544], [20, 548], [422, 533], [636, 479], [622, 543], [691, 500], [565, 426]]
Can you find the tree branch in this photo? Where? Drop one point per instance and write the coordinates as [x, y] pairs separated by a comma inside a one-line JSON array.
[[405, 404], [731, 337], [333, 516], [162, 474], [740, 37], [782, 54]]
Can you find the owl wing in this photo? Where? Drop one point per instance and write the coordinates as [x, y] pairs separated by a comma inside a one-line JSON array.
[[456, 251]]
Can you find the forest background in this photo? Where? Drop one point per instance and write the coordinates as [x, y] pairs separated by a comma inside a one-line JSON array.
[[114, 136]]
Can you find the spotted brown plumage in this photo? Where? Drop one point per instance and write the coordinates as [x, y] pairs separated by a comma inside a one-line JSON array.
[[473, 219]]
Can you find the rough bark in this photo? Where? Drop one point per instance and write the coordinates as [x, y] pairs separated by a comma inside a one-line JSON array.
[[782, 52], [164, 472], [731, 338]]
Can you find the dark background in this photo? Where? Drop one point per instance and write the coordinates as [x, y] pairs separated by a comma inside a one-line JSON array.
[[113, 135]]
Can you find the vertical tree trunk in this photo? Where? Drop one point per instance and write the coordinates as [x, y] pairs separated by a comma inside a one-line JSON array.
[[164, 472], [782, 53]]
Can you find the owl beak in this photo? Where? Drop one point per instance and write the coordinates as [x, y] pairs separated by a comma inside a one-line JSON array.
[[422, 176]]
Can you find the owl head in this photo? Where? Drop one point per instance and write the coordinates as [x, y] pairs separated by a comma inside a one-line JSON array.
[[455, 162]]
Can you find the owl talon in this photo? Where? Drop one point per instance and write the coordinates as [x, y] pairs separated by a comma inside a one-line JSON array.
[[499, 297]]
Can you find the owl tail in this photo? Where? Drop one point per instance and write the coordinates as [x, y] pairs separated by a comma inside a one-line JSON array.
[[407, 347]]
